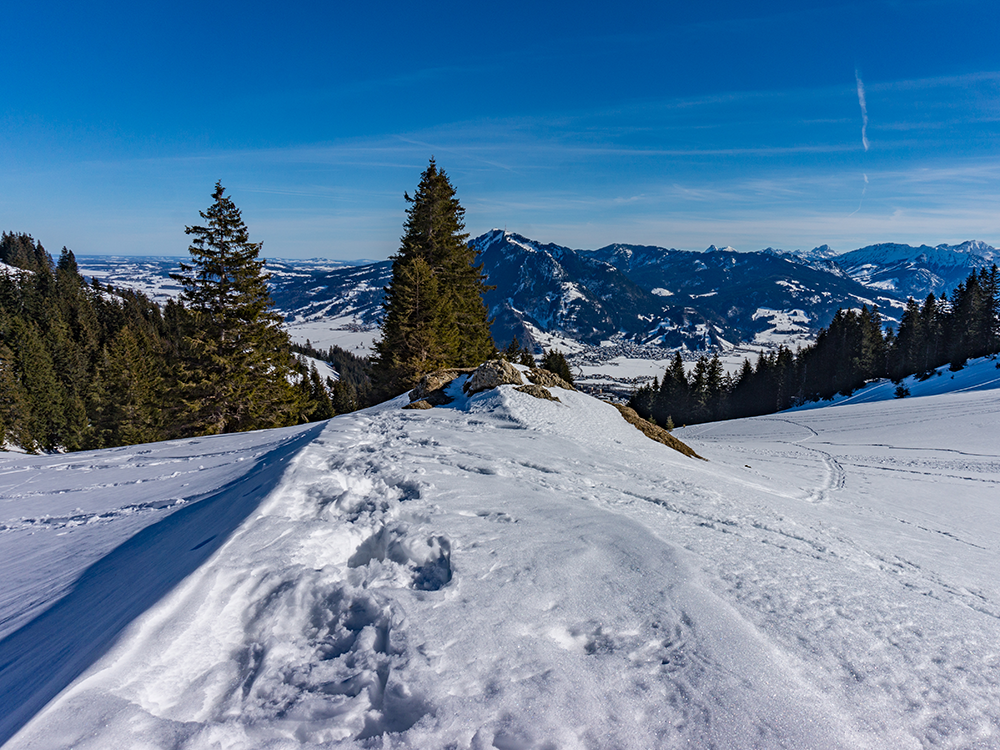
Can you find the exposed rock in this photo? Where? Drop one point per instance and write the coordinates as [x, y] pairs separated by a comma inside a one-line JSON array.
[[537, 391], [421, 404], [653, 432], [547, 378], [432, 386], [491, 374]]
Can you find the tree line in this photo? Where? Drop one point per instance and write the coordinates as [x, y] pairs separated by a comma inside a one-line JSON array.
[[90, 366], [851, 351]]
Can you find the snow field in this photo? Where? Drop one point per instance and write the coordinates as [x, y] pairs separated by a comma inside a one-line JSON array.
[[508, 572], [345, 331], [73, 581], [884, 575]]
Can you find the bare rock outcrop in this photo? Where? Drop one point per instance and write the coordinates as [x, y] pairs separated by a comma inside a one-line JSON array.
[[430, 391], [537, 391], [421, 403], [431, 387], [548, 379], [491, 374]]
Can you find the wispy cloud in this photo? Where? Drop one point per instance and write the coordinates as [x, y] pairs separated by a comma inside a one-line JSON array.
[[864, 109], [965, 80]]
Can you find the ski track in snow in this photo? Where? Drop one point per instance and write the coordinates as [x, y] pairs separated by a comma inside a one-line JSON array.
[[511, 573]]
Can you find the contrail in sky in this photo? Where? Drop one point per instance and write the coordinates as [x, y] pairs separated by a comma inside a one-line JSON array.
[[863, 191], [864, 111]]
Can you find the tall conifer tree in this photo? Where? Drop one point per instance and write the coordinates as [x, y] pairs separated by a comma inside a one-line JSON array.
[[434, 311], [236, 361]]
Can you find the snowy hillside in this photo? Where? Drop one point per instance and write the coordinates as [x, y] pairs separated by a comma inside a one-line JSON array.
[[509, 572], [979, 374]]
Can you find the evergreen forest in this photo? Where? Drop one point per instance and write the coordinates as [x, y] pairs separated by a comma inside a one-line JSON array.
[[90, 366], [848, 353]]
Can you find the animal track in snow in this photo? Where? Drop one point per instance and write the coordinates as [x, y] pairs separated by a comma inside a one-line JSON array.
[[497, 516]]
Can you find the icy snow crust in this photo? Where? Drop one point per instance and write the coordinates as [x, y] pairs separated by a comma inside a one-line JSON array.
[[508, 572]]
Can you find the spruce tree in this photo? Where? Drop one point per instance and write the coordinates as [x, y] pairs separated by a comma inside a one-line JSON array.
[[15, 412], [555, 361], [513, 351], [41, 385], [434, 311], [526, 358], [127, 398], [319, 396], [236, 361]]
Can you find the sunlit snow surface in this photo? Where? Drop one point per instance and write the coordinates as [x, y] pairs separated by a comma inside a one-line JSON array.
[[514, 573]]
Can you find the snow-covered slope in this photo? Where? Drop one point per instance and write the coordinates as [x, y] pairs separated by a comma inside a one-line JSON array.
[[508, 572], [979, 374]]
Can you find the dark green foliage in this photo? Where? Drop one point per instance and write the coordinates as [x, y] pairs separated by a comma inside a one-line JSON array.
[[419, 332], [21, 251], [15, 412], [851, 351], [320, 396], [518, 355], [513, 351], [706, 393], [352, 390], [38, 377], [434, 311], [87, 366], [972, 326], [554, 360], [313, 396], [848, 353], [127, 393], [344, 395], [71, 369], [235, 363], [351, 368]]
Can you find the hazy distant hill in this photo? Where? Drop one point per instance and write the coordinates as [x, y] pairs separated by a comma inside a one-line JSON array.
[[906, 270]]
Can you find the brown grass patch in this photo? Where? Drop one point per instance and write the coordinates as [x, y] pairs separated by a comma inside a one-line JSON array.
[[654, 432]]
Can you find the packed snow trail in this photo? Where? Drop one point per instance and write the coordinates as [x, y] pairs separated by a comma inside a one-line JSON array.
[[507, 572]]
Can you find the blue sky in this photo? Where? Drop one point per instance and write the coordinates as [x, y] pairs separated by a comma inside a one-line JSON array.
[[675, 124]]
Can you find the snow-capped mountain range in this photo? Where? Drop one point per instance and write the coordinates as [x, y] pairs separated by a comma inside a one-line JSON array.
[[651, 295], [906, 270], [632, 301]]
